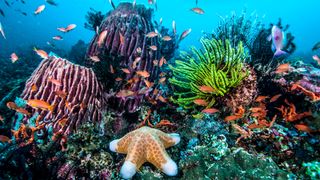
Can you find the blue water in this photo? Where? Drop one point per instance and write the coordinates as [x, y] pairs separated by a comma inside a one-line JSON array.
[[24, 31]]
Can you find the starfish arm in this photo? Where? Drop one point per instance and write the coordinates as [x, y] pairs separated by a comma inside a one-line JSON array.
[[157, 155], [168, 140], [121, 145]]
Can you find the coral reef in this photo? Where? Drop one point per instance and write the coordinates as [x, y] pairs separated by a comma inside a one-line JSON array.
[[77, 53], [312, 169], [209, 73], [73, 92]]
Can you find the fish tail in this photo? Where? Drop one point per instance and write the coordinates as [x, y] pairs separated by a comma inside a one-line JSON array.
[[280, 53], [52, 107]]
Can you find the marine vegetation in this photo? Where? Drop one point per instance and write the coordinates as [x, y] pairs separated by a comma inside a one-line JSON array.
[[203, 75], [94, 19]]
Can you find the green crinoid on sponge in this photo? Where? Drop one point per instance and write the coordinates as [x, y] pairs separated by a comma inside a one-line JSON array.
[[218, 65]]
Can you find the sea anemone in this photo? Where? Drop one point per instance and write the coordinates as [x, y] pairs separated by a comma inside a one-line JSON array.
[[219, 67]]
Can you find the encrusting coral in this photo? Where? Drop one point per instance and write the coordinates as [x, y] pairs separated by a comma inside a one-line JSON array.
[[146, 145], [209, 73]]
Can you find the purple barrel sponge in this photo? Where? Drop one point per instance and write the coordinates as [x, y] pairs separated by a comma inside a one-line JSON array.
[[72, 90], [123, 49]]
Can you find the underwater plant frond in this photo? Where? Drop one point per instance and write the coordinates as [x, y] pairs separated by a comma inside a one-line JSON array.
[[218, 66]]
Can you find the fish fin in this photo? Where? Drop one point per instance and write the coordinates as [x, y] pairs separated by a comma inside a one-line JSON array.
[[52, 107], [280, 53], [269, 38]]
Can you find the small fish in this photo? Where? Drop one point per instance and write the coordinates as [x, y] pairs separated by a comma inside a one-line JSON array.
[[144, 74], [139, 50], [95, 58], [185, 34], [70, 27], [39, 9], [23, 111], [7, 3], [34, 88], [61, 94], [261, 98], [160, 21], [162, 99], [282, 68], [2, 31], [305, 128], [112, 4], [35, 103], [125, 93], [41, 53], [1, 118], [162, 61], [210, 111], [4, 139], [162, 80], [316, 46], [102, 37], [206, 89], [52, 2], [275, 98], [200, 102], [155, 62], [14, 57], [54, 81], [118, 79], [277, 36], [174, 27], [136, 60], [125, 70], [134, 3], [152, 34], [2, 13], [121, 38], [62, 29], [153, 48], [257, 109], [148, 83], [166, 38], [111, 69], [316, 58], [63, 121], [197, 10], [58, 38], [232, 118], [12, 105]]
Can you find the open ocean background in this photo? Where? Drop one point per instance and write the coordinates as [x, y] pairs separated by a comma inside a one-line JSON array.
[[25, 31]]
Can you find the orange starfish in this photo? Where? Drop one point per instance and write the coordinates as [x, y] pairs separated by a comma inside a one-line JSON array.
[[146, 145]]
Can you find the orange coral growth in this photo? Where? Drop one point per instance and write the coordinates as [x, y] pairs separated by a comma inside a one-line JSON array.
[[313, 96]]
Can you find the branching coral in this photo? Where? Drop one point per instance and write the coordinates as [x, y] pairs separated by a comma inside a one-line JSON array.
[[218, 67]]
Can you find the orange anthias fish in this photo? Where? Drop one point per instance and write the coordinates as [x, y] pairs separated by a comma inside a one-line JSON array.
[[102, 37], [316, 58], [232, 118], [305, 128], [121, 38], [206, 89], [61, 94], [2, 31], [1, 118], [36, 103], [125, 93], [125, 70], [41, 53], [162, 61], [166, 38], [174, 27], [34, 88], [148, 83], [54, 81], [144, 74], [283, 68], [14, 57], [197, 10], [111, 69], [39, 9], [153, 48], [70, 27], [261, 98], [275, 98], [23, 111], [162, 80], [4, 139], [95, 58], [162, 99], [152, 34], [200, 102], [136, 60], [185, 34], [12, 105], [62, 29], [210, 111], [57, 38]]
